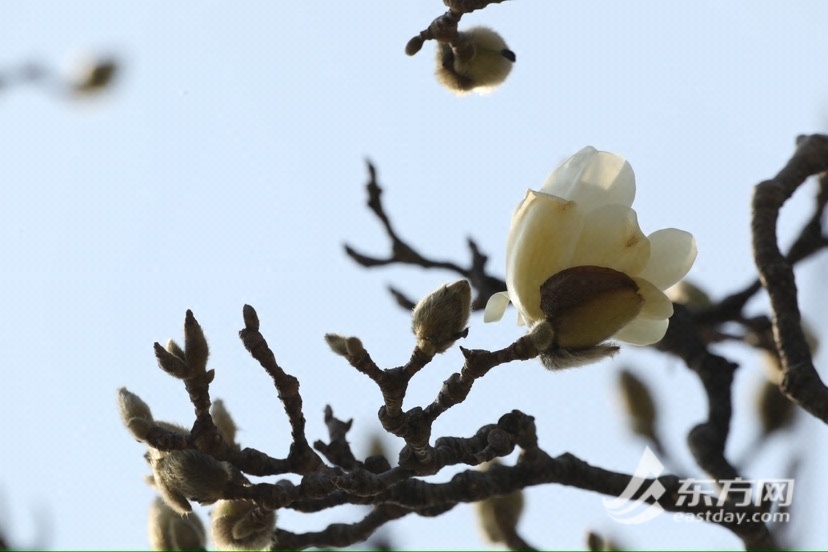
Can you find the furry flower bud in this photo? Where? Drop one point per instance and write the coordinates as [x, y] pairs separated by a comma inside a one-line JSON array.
[[498, 516], [241, 525], [168, 530], [440, 318], [183, 475], [135, 414], [480, 61]]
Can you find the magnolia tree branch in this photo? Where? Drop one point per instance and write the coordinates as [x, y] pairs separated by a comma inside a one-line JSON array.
[[801, 382], [484, 284], [401, 490]]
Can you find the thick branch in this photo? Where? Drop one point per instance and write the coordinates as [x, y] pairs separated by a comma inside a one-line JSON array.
[[801, 382]]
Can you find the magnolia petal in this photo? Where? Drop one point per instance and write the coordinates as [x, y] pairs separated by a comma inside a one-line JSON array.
[[593, 178], [541, 241], [642, 332], [672, 253], [496, 306], [657, 306], [612, 238]]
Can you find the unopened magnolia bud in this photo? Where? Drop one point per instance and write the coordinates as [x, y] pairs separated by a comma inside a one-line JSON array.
[[498, 516], [344, 346], [440, 318], [241, 525], [775, 410], [171, 364], [196, 350], [169, 530], [479, 61], [135, 414], [690, 295], [594, 542], [94, 75], [175, 349], [224, 422], [588, 304], [639, 405], [414, 45], [192, 475]]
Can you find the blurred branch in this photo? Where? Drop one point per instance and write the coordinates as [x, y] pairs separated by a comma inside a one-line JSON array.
[[801, 382], [89, 77]]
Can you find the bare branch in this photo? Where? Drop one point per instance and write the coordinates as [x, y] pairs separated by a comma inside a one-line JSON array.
[[801, 382]]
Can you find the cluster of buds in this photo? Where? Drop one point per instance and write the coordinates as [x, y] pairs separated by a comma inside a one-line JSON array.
[[184, 475]]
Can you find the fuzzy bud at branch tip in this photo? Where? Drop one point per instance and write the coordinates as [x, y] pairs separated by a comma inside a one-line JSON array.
[[135, 414], [344, 346], [241, 525], [196, 350], [440, 318], [251, 319], [477, 60], [189, 474]]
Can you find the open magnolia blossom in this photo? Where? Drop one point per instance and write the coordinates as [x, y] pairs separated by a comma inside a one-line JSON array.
[[577, 258]]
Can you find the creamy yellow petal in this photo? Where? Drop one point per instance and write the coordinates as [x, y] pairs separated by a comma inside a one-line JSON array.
[[657, 306], [593, 178], [611, 238], [541, 241], [496, 306], [642, 332], [672, 253]]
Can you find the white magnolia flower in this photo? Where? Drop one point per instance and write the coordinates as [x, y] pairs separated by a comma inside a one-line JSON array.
[[580, 219]]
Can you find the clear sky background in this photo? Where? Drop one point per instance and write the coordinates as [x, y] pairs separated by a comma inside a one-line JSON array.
[[227, 167]]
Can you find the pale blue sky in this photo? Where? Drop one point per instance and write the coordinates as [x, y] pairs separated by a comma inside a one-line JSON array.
[[227, 167]]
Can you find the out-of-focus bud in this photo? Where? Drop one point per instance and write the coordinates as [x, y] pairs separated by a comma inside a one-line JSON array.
[[775, 410], [638, 402], [170, 531], [498, 516], [241, 525], [344, 346], [94, 75], [689, 294], [440, 318], [224, 422], [135, 414], [595, 542], [481, 61], [190, 474]]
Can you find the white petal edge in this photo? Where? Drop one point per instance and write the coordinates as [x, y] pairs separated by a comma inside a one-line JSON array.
[[657, 306], [642, 332], [593, 178], [496, 306], [672, 253]]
